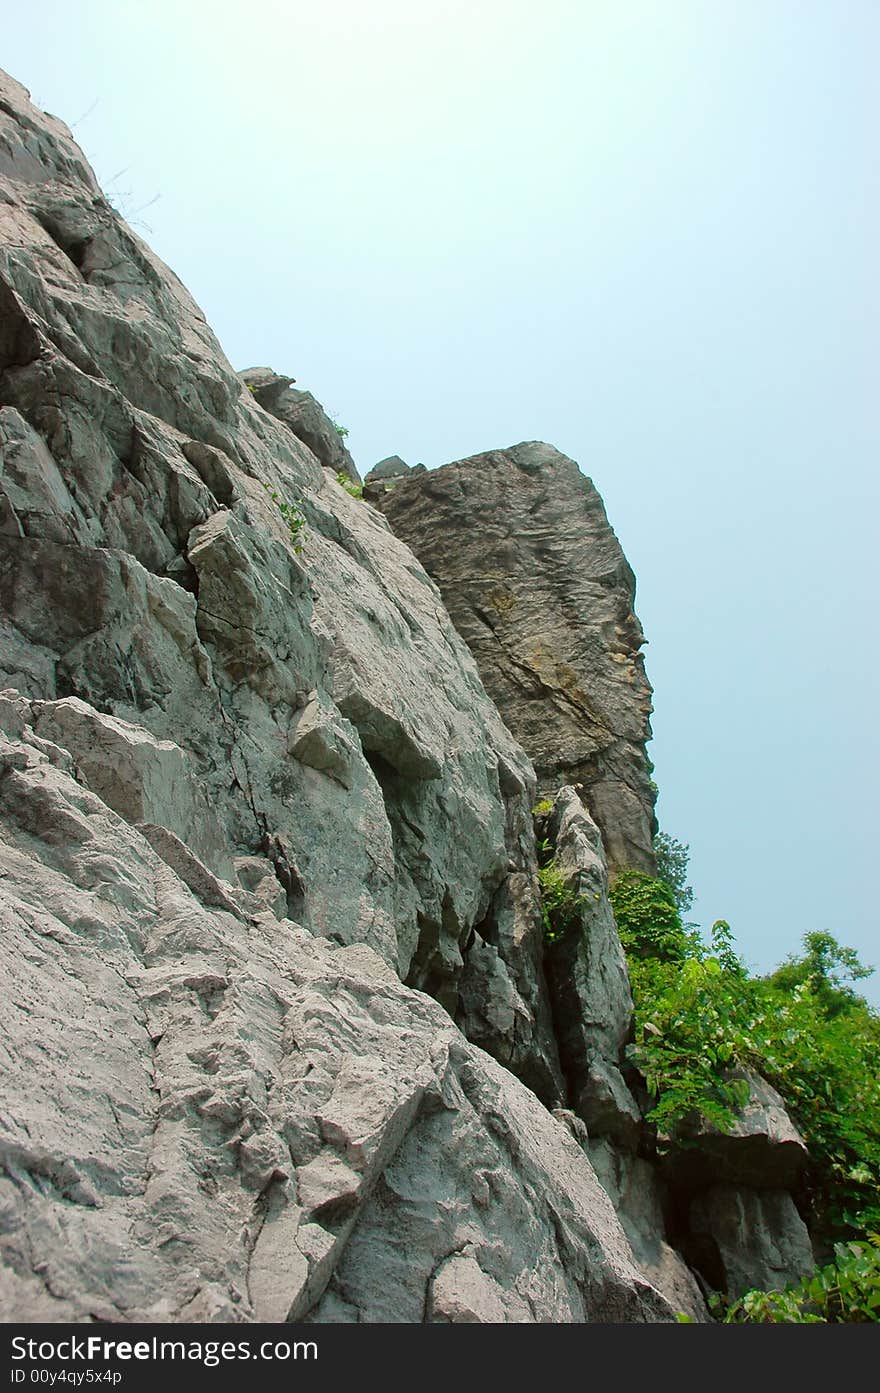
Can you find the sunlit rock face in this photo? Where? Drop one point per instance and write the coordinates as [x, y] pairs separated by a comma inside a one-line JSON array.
[[174, 554]]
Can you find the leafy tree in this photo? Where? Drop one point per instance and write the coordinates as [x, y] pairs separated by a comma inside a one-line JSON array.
[[823, 968], [846, 1291], [672, 860], [647, 917]]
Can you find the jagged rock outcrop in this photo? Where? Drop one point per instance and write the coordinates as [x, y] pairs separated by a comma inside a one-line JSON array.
[[736, 1220], [741, 1238], [279, 1038], [391, 468], [325, 705], [305, 416], [643, 1204], [231, 699], [537, 585], [588, 980], [211, 1114], [763, 1147]]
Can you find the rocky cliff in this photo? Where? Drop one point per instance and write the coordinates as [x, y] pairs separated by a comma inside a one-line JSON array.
[[282, 1035], [535, 581]]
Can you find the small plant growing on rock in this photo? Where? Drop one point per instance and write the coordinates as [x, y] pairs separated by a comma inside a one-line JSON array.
[[356, 490], [559, 902], [542, 808], [292, 516]]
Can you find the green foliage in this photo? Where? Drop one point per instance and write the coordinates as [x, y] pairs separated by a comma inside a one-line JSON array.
[[292, 516], [559, 902], [672, 859], [356, 490], [823, 967], [847, 1291], [647, 917], [542, 808], [341, 431], [690, 1026], [826, 1065], [699, 1014], [700, 1018]]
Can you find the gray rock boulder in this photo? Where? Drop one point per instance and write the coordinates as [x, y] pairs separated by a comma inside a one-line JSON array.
[[588, 979], [641, 1202], [536, 583], [391, 468], [763, 1148]]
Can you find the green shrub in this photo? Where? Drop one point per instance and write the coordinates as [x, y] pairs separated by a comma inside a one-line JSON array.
[[559, 902], [672, 859], [542, 808], [847, 1291], [816, 1041], [824, 966], [826, 1064], [690, 1023], [647, 917], [698, 1014]]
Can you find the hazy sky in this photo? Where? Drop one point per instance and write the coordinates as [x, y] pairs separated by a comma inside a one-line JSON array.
[[643, 230]]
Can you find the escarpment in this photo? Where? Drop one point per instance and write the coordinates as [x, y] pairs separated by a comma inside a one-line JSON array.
[[285, 1037]]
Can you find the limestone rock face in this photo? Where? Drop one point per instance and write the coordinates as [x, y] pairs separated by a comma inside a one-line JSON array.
[[175, 555], [236, 1120], [536, 583], [279, 1040], [391, 468], [641, 1200]]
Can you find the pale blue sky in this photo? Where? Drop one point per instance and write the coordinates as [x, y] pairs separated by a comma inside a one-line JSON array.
[[643, 230]]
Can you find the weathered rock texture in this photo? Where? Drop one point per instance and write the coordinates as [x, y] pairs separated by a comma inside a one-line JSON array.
[[588, 979], [324, 707], [210, 1114], [272, 948], [536, 583], [225, 707], [762, 1148], [741, 1238], [306, 418]]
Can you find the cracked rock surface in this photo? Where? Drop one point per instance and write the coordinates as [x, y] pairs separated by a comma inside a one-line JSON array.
[[213, 1115], [325, 714]]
